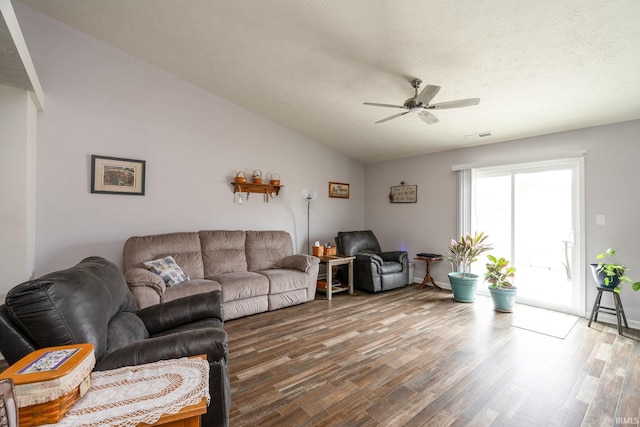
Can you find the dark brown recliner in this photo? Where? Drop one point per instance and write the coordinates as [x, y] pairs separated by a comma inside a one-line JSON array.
[[91, 303], [373, 269]]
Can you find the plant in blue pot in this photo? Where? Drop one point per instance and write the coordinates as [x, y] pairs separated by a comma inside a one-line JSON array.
[[610, 273], [462, 254], [499, 275]]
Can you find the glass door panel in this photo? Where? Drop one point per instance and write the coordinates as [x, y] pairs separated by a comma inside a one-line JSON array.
[[531, 214]]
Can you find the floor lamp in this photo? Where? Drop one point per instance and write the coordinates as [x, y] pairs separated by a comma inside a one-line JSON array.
[[309, 194]]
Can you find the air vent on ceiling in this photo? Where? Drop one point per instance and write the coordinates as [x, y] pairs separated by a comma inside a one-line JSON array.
[[478, 135]]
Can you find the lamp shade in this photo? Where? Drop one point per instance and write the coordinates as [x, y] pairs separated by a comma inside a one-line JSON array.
[[309, 194]]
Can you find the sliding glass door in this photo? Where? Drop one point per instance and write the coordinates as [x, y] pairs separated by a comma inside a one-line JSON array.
[[532, 213]]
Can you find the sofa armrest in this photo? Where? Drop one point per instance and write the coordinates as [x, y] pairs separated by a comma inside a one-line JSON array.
[[160, 317], [370, 258], [141, 277], [300, 262], [209, 341], [397, 256]]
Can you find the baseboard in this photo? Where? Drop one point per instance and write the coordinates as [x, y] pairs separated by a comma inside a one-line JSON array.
[[612, 320]]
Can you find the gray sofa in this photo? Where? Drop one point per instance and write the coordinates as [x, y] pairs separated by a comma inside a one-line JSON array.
[[256, 271]]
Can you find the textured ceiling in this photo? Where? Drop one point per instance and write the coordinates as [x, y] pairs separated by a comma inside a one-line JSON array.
[[538, 66], [12, 71]]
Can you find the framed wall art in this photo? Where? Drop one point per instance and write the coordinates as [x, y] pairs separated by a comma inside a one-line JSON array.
[[114, 175], [403, 194], [339, 190]]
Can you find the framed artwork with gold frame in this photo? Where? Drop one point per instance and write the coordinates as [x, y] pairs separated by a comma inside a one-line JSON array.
[[339, 190]]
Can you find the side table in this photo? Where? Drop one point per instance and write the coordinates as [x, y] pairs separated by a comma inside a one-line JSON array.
[[427, 276], [333, 260], [171, 393]]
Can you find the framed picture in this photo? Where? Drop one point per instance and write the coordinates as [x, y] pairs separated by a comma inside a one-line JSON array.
[[403, 194], [113, 175], [339, 190]]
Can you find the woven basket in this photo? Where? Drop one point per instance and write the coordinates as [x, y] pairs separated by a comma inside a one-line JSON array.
[[257, 176], [49, 412], [275, 179], [49, 381], [240, 178]]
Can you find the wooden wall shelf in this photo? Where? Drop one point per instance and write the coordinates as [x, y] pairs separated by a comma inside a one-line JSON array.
[[249, 187]]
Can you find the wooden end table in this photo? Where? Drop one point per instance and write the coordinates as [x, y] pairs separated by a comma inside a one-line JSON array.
[[427, 276], [333, 260]]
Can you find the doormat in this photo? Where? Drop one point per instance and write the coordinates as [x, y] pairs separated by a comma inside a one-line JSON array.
[[541, 321]]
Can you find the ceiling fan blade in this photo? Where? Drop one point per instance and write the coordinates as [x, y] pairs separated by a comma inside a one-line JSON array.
[[392, 117], [427, 94], [455, 104], [427, 117], [383, 105]]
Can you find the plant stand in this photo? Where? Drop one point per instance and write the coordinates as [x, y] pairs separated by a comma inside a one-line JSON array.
[[618, 310]]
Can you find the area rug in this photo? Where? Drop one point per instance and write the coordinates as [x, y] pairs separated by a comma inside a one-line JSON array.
[[541, 321]]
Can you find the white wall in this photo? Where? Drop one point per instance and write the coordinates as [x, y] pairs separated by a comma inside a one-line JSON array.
[[17, 187], [611, 175], [103, 101]]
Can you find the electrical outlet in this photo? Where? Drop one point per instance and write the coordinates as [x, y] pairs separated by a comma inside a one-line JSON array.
[[601, 219]]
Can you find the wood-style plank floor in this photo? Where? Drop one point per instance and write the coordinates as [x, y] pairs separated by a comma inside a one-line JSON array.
[[417, 358]]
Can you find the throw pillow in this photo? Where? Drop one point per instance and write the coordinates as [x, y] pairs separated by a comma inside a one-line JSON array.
[[168, 269]]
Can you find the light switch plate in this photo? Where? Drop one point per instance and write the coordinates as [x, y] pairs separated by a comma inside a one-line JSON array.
[[601, 219]]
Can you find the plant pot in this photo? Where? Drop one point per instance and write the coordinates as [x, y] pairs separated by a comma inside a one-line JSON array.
[[599, 277], [503, 298], [463, 286]]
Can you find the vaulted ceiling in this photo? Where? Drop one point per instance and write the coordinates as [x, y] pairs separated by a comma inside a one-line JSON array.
[[538, 66]]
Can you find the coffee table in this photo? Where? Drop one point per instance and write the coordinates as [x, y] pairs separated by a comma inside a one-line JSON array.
[[333, 260]]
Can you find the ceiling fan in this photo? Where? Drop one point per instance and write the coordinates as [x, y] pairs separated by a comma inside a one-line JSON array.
[[419, 103]]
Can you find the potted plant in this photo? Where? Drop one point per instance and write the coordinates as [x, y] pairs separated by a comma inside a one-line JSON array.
[[462, 254], [499, 274], [610, 273]]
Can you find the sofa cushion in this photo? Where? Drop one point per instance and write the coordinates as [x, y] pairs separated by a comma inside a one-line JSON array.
[[168, 269], [281, 280], [191, 287], [223, 252], [267, 249], [237, 286], [183, 247]]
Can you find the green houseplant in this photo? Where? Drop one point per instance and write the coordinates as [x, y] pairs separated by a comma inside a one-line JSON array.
[[610, 272], [462, 254], [499, 275]]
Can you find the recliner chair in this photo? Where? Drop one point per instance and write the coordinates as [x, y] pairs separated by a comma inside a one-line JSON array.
[[373, 269], [91, 303]]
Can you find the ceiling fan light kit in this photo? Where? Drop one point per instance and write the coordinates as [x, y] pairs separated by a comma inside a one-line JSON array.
[[419, 103]]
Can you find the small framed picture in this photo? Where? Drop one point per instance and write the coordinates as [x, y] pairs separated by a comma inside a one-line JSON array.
[[339, 190], [113, 175], [403, 194]]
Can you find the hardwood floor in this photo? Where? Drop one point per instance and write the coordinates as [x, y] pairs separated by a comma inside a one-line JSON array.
[[417, 358]]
